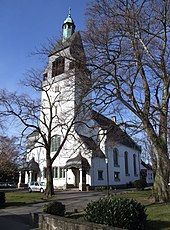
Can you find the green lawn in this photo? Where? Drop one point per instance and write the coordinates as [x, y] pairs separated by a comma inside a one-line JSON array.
[[23, 198], [158, 214]]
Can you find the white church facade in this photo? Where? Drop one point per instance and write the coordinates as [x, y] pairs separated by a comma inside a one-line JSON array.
[[96, 151]]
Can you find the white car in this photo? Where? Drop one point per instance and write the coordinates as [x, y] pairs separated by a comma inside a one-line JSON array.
[[35, 186]]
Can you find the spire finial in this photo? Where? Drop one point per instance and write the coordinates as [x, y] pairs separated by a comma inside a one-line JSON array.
[[69, 12]]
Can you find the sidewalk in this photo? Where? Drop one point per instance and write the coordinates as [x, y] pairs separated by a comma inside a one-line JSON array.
[[18, 218], [8, 223]]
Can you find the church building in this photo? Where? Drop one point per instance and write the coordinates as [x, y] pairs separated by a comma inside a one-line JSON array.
[[96, 152]]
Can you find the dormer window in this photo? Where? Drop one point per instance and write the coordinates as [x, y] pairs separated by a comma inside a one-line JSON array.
[[58, 66]]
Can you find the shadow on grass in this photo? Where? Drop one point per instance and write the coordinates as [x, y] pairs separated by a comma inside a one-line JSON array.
[[18, 204], [158, 225]]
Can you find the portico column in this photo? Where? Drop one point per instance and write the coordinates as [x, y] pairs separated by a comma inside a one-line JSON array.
[[26, 177], [30, 177], [19, 181], [81, 180], [65, 186]]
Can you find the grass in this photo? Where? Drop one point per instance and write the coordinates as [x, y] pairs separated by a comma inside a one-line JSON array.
[[23, 198], [158, 213]]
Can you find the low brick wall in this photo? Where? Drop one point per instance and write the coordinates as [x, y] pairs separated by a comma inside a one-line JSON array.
[[50, 222]]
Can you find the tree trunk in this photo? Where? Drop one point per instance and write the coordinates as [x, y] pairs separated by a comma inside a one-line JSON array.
[[49, 184], [160, 188]]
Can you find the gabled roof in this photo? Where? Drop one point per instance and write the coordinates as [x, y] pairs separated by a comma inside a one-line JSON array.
[[119, 136], [78, 162], [33, 165], [91, 145]]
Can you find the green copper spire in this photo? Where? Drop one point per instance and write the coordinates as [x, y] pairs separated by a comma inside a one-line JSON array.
[[68, 27]]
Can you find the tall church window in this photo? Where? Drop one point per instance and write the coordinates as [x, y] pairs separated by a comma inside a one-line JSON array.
[[134, 164], [126, 164], [116, 157], [61, 172], [55, 143], [55, 172], [58, 66]]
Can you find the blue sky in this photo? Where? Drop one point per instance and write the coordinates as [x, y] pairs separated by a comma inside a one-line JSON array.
[[24, 26]]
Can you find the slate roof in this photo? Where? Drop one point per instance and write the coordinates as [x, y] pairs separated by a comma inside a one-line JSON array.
[[74, 43], [147, 166], [114, 130], [91, 145]]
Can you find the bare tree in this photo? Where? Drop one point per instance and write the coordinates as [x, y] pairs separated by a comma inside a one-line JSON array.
[[128, 47], [9, 159]]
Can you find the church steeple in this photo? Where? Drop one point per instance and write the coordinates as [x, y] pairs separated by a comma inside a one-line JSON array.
[[68, 27]]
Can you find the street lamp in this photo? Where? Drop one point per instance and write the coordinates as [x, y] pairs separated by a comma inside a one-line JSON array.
[[107, 174]]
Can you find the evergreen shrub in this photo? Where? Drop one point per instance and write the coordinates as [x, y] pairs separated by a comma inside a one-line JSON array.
[[140, 184], [117, 212], [54, 208], [2, 199]]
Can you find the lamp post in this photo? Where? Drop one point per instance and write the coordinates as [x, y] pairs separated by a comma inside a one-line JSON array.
[[107, 175]]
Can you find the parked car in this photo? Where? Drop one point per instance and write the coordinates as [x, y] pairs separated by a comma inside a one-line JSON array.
[[35, 186], [11, 185], [7, 185]]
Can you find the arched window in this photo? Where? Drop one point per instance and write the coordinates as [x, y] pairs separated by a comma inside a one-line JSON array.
[[134, 164], [126, 164], [116, 157], [55, 143]]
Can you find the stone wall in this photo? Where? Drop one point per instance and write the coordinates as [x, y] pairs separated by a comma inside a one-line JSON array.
[[50, 222]]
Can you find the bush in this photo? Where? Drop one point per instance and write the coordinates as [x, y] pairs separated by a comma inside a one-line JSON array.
[[117, 212], [140, 184], [2, 199], [54, 208]]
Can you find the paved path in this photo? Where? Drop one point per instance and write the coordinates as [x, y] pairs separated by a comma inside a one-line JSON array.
[[9, 223]]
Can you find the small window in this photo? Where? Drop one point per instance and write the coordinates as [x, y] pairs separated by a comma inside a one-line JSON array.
[[58, 66], [56, 89], [72, 65], [100, 175], [117, 176], [45, 75], [56, 110], [55, 143]]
